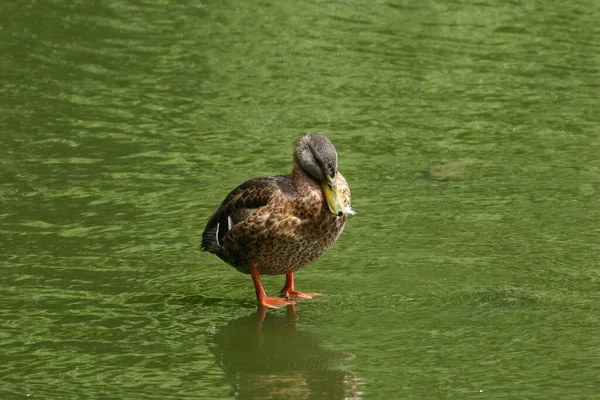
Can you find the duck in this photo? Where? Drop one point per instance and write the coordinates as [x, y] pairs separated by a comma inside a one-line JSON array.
[[276, 225]]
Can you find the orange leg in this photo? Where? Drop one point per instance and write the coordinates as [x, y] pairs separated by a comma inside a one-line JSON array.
[[261, 296], [288, 290]]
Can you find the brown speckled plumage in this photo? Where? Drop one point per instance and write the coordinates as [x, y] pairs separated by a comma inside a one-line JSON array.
[[280, 223]]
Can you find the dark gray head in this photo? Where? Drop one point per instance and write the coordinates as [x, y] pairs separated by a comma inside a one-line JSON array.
[[317, 156]]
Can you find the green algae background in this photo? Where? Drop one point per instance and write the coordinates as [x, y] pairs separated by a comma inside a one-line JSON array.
[[468, 132]]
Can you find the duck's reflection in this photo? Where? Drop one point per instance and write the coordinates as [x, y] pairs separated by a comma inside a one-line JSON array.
[[265, 357]]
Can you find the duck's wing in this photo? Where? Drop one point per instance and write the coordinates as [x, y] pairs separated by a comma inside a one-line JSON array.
[[242, 202]]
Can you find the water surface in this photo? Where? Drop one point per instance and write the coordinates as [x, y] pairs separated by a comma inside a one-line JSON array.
[[468, 132]]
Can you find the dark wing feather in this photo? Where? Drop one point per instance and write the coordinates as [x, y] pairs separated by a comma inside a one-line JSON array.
[[237, 206]]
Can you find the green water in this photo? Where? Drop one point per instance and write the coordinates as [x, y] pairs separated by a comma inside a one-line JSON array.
[[468, 132]]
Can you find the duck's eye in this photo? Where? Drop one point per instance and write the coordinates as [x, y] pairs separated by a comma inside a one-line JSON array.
[[330, 186]]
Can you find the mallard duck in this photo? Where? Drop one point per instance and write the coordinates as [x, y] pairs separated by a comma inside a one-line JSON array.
[[275, 225]]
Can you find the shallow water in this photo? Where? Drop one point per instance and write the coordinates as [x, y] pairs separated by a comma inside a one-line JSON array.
[[467, 131]]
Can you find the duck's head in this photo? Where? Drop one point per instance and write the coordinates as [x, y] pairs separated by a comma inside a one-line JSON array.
[[317, 156]]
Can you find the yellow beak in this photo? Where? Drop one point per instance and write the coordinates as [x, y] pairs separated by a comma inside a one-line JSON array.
[[333, 197]]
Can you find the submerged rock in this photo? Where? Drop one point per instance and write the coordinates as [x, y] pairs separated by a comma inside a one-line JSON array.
[[452, 170]]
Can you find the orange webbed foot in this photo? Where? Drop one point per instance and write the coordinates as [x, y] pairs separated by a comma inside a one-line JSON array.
[[290, 293], [275, 302], [294, 294]]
